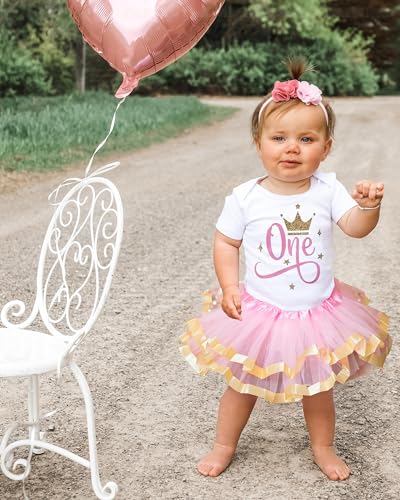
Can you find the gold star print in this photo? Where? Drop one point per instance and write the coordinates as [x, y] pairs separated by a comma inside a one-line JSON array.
[[260, 248], [319, 232], [320, 255], [286, 262], [297, 206], [291, 286]]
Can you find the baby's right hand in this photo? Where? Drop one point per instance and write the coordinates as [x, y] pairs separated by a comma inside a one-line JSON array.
[[231, 302]]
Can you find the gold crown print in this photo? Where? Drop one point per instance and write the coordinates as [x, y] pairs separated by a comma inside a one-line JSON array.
[[298, 225]]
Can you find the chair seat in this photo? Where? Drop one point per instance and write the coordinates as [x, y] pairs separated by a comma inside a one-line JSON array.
[[28, 352]]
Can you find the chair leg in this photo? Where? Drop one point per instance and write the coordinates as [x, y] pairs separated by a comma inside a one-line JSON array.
[[7, 455], [109, 491], [34, 412]]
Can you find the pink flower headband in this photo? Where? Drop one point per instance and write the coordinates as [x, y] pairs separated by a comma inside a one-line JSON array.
[[294, 89]]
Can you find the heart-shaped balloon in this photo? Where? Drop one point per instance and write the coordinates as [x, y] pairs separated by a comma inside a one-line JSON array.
[[140, 37]]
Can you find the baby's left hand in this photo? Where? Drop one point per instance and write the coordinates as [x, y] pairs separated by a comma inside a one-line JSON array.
[[368, 194]]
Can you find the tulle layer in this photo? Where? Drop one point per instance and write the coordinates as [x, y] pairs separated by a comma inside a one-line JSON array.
[[282, 356]]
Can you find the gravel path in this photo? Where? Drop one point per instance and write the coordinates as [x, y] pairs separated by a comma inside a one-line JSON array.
[[155, 417]]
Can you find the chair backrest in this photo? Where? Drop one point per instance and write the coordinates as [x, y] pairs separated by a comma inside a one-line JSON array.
[[79, 255]]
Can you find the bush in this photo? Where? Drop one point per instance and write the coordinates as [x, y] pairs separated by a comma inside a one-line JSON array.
[[340, 60], [342, 64], [19, 73], [57, 64]]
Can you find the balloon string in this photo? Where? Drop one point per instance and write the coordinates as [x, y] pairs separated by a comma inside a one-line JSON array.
[[105, 140]]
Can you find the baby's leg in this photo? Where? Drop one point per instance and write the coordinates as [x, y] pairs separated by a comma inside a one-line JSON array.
[[319, 412], [234, 411]]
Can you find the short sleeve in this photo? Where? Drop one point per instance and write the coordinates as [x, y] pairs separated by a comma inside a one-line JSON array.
[[231, 221], [342, 202]]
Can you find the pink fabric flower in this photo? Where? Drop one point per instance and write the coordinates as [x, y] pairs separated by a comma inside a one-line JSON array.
[[283, 91], [309, 93], [295, 89]]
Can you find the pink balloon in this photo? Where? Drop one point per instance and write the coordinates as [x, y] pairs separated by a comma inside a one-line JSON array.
[[140, 37]]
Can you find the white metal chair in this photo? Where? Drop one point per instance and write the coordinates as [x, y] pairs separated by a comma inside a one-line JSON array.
[[76, 265]]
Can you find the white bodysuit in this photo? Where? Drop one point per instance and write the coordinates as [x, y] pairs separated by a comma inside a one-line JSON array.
[[287, 239]]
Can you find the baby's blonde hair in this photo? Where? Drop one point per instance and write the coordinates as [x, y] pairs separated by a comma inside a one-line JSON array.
[[297, 67]]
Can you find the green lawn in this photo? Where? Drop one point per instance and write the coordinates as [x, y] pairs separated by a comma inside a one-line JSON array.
[[46, 133]]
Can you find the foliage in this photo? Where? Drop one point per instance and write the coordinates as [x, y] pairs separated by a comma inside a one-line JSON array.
[[44, 52], [306, 17], [57, 63], [43, 32], [39, 133], [17, 15], [54, 46], [19, 73], [342, 68], [380, 22], [259, 21], [293, 22]]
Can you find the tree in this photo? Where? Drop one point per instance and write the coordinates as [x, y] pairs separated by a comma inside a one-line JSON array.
[[378, 20], [266, 20], [308, 18], [45, 32], [19, 71], [17, 15]]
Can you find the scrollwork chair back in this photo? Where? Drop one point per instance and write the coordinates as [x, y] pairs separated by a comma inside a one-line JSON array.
[[84, 236]]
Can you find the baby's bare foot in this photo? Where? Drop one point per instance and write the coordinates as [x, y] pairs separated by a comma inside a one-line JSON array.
[[216, 461], [330, 464]]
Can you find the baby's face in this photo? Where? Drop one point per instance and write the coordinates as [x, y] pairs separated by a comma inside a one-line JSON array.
[[293, 144]]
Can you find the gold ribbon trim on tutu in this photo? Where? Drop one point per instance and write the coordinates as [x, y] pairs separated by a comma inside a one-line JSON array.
[[355, 343]]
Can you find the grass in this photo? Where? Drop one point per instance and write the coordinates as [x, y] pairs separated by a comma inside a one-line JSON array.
[[47, 133]]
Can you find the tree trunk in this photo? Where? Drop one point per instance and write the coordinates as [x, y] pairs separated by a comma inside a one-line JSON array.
[[83, 72], [80, 64]]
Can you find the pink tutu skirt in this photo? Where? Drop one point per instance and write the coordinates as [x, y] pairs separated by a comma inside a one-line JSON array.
[[282, 356]]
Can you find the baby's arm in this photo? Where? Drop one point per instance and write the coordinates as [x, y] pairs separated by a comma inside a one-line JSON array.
[[361, 220], [226, 263]]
